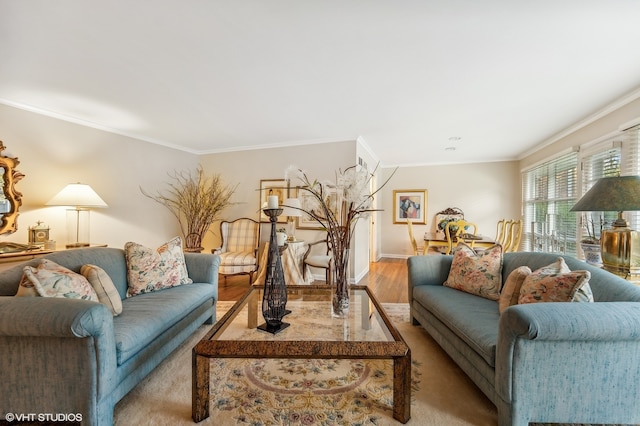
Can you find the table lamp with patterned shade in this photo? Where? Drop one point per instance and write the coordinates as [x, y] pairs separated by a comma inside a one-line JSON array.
[[82, 198], [620, 245]]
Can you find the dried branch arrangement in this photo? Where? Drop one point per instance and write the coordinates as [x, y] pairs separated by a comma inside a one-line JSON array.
[[195, 200]]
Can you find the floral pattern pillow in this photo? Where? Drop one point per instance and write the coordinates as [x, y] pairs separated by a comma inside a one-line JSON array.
[[53, 280], [556, 283], [477, 273], [150, 270]]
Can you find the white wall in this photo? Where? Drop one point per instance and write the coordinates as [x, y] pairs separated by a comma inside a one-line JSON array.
[[53, 153], [486, 193]]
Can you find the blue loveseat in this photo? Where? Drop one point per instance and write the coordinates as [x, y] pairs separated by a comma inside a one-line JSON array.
[[73, 356], [540, 362]]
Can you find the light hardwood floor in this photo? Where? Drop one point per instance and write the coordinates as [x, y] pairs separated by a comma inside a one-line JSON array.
[[387, 279]]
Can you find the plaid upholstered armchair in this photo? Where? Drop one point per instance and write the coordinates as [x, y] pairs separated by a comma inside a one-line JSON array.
[[239, 251]]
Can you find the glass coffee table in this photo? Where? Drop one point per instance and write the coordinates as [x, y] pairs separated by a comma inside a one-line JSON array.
[[367, 333]]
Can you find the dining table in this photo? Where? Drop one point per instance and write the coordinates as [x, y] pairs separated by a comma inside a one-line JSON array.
[[439, 241]]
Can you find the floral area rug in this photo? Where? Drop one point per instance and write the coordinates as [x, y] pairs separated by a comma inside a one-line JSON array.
[[306, 391]]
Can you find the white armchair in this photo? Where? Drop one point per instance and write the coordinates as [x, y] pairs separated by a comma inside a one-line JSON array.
[[321, 260]]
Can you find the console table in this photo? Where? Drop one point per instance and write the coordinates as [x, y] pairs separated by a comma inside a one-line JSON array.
[[432, 239], [7, 260]]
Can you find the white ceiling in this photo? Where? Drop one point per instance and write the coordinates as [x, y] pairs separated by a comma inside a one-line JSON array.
[[405, 76]]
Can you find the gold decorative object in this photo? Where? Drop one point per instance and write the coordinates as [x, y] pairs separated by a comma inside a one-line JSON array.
[[10, 199], [38, 234]]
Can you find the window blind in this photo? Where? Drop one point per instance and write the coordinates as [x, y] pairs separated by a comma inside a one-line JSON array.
[[549, 191]]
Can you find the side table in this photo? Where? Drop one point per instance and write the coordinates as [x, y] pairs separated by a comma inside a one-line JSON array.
[[291, 263]]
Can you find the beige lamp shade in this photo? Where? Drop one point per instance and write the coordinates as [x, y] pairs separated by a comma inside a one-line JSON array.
[[291, 207], [77, 195]]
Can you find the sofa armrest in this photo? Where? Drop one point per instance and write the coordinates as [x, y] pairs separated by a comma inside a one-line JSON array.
[[54, 317], [427, 270], [61, 354], [203, 267], [541, 344]]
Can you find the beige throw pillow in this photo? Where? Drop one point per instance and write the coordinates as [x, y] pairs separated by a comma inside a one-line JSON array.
[[511, 290], [105, 289]]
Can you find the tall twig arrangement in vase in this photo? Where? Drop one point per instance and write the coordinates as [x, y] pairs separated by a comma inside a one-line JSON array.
[[337, 206], [195, 200]]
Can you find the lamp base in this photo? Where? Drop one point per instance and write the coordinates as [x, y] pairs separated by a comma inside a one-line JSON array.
[[620, 247], [76, 245]]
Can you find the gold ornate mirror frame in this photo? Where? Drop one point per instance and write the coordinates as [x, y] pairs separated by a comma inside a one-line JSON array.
[[10, 199]]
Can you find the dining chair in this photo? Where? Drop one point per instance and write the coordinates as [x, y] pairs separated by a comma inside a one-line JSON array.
[[512, 241], [417, 250], [239, 250], [458, 230], [502, 230], [323, 260]]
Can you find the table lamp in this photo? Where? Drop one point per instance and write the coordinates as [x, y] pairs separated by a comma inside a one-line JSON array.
[[620, 245], [292, 209], [82, 198]]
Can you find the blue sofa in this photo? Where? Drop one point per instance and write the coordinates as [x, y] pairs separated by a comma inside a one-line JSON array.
[[541, 362], [73, 356]]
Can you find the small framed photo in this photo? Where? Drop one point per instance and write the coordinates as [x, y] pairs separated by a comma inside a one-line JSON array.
[[279, 187], [410, 204]]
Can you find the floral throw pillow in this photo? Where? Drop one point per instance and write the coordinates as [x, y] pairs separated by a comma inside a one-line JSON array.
[[477, 273], [150, 270], [556, 283], [26, 288], [53, 280]]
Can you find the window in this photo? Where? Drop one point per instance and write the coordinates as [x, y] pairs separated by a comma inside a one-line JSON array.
[[617, 156], [549, 191]]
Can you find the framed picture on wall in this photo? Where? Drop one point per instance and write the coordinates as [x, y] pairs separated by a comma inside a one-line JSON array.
[[410, 204], [307, 203], [278, 187]]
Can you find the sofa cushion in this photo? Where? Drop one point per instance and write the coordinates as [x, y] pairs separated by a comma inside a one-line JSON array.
[[105, 289], [556, 283], [473, 319], [53, 280], [511, 289], [147, 316], [477, 273], [149, 270], [247, 258]]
